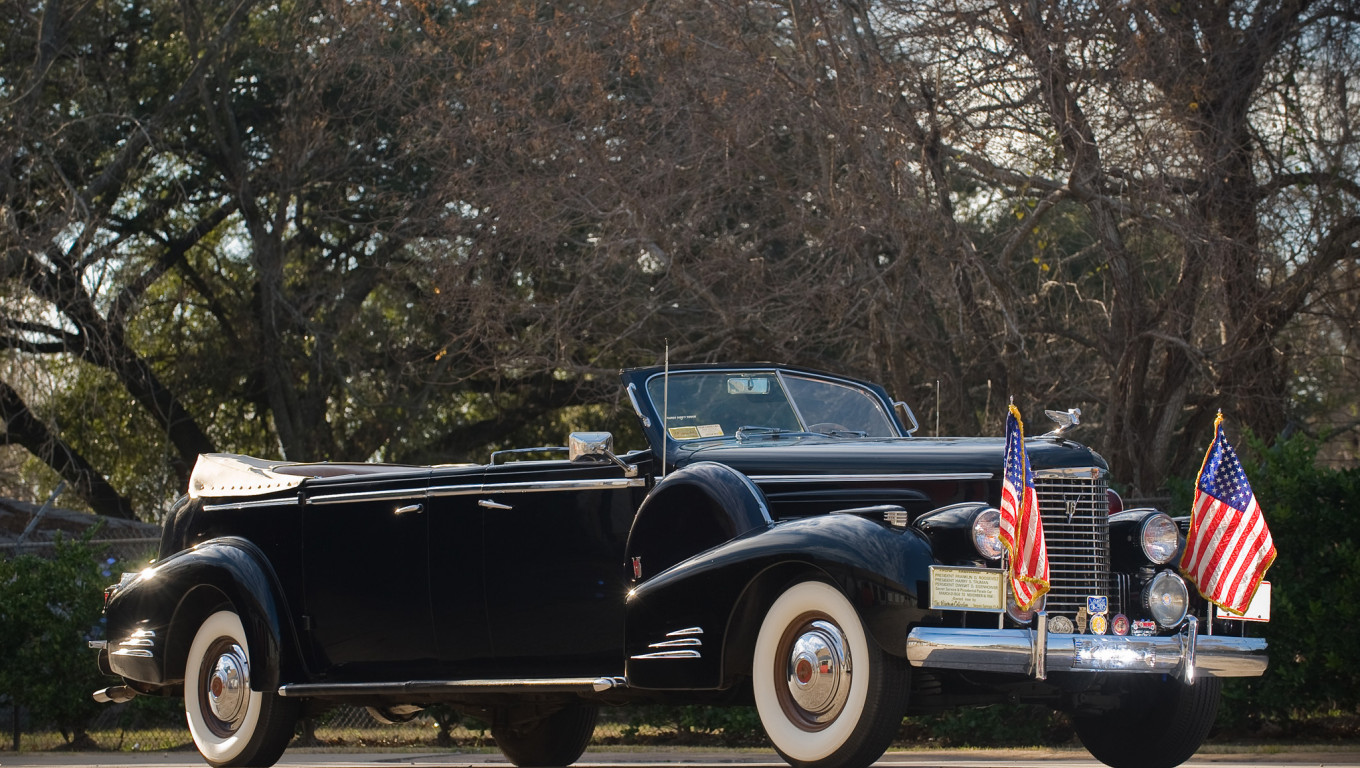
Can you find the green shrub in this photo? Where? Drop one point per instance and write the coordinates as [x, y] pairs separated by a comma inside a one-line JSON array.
[[49, 610], [1314, 518]]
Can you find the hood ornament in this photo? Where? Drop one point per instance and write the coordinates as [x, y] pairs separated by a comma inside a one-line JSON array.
[[1065, 419]]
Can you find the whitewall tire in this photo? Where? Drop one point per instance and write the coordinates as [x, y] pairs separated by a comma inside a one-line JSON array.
[[827, 695], [232, 725]]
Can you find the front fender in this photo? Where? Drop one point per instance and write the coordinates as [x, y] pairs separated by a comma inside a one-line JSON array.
[[151, 620], [691, 510], [718, 597]]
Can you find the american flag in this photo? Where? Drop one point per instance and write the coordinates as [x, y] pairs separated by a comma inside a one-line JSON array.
[[1022, 528], [1229, 547]]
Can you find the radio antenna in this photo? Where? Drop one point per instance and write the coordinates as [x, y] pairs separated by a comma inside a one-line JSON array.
[[665, 405]]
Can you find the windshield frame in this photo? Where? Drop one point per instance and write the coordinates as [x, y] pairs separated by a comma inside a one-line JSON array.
[[640, 381]]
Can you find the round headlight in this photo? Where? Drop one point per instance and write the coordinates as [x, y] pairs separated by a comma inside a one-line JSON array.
[[1166, 599], [987, 533], [1159, 538]]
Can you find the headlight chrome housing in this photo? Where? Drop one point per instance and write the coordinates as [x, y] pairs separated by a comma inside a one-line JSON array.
[[1159, 538], [987, 533], [1166, 599]]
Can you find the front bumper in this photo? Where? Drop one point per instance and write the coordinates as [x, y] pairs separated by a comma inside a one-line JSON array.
[[1036, 652]]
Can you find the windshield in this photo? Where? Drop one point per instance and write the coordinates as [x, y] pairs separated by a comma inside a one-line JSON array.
[[718, 403]]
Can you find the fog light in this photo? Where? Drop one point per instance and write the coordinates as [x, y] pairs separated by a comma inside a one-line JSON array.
[[1166, 599]]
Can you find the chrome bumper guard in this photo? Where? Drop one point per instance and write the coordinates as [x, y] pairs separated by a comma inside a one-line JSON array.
[[1036, 652]]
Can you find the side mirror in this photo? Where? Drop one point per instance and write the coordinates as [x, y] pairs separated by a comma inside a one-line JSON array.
[[584, 447], [588, 447]]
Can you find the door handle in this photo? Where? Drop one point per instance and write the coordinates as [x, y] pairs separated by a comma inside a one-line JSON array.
[[489, 504], [410, 508]]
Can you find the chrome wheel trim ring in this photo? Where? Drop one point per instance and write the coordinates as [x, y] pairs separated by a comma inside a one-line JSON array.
[[817, 675], [226, 686]]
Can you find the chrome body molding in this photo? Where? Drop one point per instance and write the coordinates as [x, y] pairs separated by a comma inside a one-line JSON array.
[[137, 645], [679, 642], [1026, 652], [686, 632], [438, 687], [599, 484], [1082, 473], [260, 503], [683, 654], [437, 491], [872, 478], [400, 494]]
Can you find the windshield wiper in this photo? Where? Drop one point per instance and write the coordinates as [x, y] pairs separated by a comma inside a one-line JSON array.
[[757, 431]]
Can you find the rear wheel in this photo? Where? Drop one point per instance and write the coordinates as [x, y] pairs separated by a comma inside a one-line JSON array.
[[545, 741], [232, 725], [1160, 723], [826, 694]]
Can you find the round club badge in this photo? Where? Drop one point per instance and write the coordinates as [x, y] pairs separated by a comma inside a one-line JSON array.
[[1060, 625], [1098, 624], [1120, 624]]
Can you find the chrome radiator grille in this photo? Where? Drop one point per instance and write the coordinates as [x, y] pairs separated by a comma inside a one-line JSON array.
[[1077, 532]]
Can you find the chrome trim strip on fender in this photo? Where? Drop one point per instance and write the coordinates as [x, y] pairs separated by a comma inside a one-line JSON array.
[[669, 655], [571, 684], [686, 631], [679, 642], [866, 478], [1013, 650], [140, 653]]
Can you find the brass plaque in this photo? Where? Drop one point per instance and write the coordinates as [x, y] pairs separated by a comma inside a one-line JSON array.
[[967, 589]]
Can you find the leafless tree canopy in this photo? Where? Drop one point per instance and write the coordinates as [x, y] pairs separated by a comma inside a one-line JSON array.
[[413, 231]]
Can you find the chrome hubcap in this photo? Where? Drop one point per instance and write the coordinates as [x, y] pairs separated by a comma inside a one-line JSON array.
[[229, 685], [819, 671]]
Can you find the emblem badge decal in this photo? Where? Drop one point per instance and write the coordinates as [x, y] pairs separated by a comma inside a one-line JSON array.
[[1120, 624], [1081, 620], [1098, 624], [1071, 511], [1097, 605], [1144, 628], [1060, 625], [637, 567]]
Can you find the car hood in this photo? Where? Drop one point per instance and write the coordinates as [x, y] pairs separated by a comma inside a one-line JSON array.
[[774, 455]]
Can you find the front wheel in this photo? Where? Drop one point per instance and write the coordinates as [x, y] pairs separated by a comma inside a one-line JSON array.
[[827, 695], [1159, 723], [232, 725]]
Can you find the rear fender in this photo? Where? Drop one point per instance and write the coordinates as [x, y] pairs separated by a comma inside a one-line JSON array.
[[152, 619], [693, 625]]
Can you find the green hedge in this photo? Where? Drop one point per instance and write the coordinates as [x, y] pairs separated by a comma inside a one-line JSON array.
[[1314, 517]]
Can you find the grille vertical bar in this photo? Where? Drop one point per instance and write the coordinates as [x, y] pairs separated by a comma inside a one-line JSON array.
[[1079, 544]]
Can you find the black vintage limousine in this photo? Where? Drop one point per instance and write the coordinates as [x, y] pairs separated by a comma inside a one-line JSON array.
[[784, 542]]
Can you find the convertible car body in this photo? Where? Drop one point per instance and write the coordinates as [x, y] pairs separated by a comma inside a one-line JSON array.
[[783, 542]]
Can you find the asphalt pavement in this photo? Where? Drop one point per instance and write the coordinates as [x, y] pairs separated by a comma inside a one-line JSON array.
[[1273, 756]]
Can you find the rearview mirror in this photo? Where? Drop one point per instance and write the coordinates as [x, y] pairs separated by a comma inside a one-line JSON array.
[[748, 385]]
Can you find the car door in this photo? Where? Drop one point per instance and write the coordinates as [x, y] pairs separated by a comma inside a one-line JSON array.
[[366, 564], [457, 581], [555, 574]]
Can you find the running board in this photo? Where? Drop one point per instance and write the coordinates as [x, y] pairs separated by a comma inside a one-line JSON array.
[[436, 687]]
